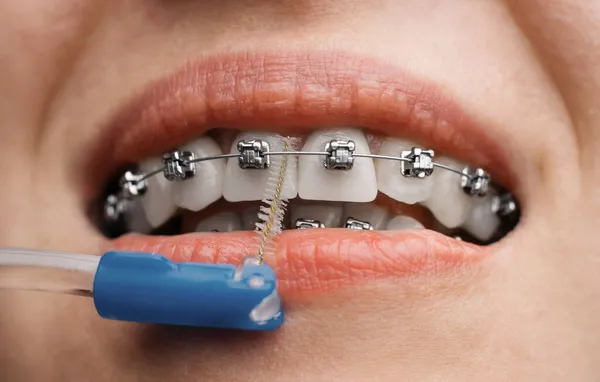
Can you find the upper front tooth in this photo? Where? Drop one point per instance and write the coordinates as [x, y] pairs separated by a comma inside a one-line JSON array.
[[157, 201], [330, 214], [390, 180], [250, 184], [482, 221], [377, 216], [319, 183], [222, 222], [448, 202], [206, 186]]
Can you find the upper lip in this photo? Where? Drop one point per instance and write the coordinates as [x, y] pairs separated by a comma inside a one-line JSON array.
[[291, 90]]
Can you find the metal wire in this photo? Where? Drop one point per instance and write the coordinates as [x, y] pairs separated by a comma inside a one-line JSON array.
[[152, 173], [459, 172], [376, 156], [295, 153], [223, 156], [300, 153]]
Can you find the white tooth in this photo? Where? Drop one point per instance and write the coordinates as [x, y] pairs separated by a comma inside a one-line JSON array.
[[157, 200], [136, 218], [249, 218], [330, 214], [315, 182], [390, 180], [449, 203], [482, 222], [206, 186], [250, 184], [377, 216], [221, 222], [403, 222]]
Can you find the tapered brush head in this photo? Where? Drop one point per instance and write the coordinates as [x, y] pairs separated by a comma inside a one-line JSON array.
[[272, 212]]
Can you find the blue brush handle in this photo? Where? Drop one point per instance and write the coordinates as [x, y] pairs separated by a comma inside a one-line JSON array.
[[146, 287]]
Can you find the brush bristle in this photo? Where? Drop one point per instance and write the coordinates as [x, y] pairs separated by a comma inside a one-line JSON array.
[[272, 212]]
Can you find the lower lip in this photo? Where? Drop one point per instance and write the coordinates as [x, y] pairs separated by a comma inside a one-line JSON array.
[[315, 260]]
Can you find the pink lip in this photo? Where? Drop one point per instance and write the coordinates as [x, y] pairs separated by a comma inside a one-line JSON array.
[[311, 261], [290, 92]]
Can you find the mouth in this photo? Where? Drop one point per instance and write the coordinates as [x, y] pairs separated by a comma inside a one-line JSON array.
[[400, 225]]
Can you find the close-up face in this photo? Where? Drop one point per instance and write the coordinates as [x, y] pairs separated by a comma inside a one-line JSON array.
[[433, 219]]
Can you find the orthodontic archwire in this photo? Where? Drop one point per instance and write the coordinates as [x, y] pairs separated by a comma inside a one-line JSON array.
[[338, 155]]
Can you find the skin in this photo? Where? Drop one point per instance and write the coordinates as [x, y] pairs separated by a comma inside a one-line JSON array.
[[529, 311]]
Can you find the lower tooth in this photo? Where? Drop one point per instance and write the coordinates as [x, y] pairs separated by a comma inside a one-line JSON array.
[[221, 222], [482, 222], [375, 215], [402, 223], [157, 200], [329, 214]]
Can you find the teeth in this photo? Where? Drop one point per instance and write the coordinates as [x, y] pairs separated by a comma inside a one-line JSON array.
[[221, 222], [318, 183], [448, 202], [206, 186], [136, 218], [376, 216], [482, 221], [390, 180], [157, 200], [403, 222], [250, 184], [329, 214], [307, 177]]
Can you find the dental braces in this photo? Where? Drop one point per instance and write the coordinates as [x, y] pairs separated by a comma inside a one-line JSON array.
[[339, 155], [351, 223]]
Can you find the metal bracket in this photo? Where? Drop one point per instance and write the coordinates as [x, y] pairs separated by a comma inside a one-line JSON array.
[[340, 155], [115, 207], [420, 165], [308, 223], [475, 182], [178, 166], [352, 223], [252, 154], [133, 184], [505, 206]]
